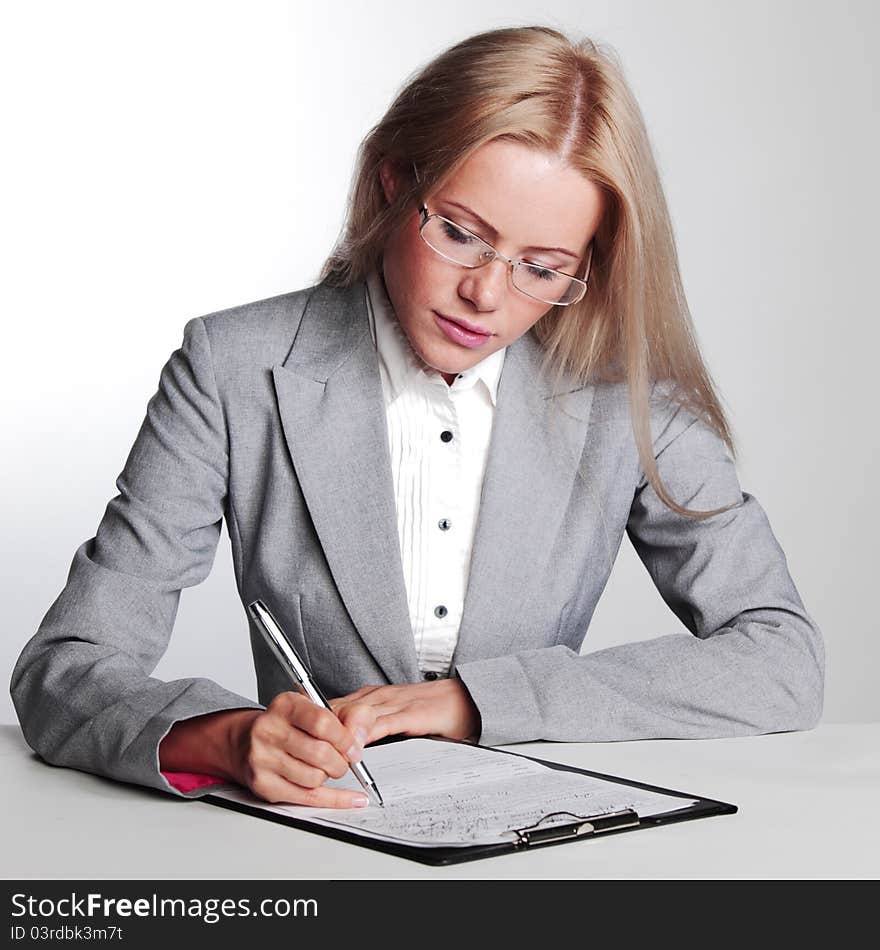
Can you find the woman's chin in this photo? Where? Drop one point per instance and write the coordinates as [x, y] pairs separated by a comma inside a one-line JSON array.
[[437, 359]]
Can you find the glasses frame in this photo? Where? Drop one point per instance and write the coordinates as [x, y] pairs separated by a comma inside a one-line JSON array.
[[492, 254]]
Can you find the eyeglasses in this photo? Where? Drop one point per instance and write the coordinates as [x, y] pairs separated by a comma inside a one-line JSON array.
[[460, 246]]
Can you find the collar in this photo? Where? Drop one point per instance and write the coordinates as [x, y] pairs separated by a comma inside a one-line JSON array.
[[401, 367]]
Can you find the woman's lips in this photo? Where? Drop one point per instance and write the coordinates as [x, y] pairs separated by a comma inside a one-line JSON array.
[[461, 334]]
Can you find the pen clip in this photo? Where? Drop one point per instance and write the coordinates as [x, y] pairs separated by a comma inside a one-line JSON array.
[[582, 826], [285, 652]]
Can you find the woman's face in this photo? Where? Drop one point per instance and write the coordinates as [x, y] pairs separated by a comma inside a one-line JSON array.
[[517, 198]]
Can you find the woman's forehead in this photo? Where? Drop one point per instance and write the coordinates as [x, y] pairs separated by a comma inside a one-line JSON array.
[[525, 194]]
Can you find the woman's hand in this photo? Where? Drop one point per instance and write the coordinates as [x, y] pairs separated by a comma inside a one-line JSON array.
[[439, 708], [284, 753]]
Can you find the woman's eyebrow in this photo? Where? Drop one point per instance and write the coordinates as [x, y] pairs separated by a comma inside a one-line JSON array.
[[488, 227]]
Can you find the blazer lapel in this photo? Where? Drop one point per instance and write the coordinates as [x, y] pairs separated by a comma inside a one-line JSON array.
[[536, 446], [333, 413]]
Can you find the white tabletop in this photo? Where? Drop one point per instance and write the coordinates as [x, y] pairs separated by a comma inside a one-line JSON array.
[[807, 803]]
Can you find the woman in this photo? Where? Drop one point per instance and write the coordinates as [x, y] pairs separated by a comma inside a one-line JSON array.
[[426, 464]]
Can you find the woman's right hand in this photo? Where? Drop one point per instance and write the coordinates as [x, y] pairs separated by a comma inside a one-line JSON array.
[[284, 753]]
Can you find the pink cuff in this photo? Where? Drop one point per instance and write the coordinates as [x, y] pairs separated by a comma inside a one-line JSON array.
[[188, 781]]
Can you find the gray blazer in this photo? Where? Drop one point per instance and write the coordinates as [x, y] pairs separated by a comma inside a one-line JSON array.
[[271, 416]]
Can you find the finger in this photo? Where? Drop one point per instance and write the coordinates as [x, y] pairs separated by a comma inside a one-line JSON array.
[[276, 746], [402, 722], [364, 712], [357, 695], [297, 771], [324, 725], [275, 788], [318, 754], [359, 718], [300, 728]]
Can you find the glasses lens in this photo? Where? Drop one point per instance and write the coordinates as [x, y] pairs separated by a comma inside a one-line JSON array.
[[455, 243], [551, 286], [461, 247]]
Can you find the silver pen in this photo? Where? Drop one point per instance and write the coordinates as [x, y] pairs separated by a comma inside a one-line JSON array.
[[288, 657]]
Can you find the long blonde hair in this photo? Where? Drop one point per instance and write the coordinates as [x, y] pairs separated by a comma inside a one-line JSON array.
[[535, 86]]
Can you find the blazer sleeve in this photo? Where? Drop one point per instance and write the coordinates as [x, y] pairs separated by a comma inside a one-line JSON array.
[[82, 687], [753, 661]]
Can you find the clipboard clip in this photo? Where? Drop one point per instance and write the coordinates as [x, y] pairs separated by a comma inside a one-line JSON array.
[[581, 827]]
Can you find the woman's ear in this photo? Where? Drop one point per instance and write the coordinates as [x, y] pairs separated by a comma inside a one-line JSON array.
[[389, 178]]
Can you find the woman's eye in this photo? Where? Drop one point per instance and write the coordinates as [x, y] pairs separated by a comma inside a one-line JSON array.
[[544, 274], [456, 234]]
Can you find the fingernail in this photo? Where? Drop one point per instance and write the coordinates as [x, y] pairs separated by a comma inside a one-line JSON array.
[[361, 735], [360, 801], [354, 753]]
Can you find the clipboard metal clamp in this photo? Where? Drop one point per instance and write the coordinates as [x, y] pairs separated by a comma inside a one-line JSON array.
[[581, 827]]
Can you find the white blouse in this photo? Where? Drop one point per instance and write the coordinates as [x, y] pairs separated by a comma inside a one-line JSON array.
[[439, 440]]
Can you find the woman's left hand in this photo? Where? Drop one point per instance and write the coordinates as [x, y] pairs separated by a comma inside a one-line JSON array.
[[438, 708]]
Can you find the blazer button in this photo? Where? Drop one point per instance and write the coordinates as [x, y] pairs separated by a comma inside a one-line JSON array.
[[440, 611], [431, 675], [446, 436]]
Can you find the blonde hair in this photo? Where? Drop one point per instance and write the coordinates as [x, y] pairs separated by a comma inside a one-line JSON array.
[[535, 86]]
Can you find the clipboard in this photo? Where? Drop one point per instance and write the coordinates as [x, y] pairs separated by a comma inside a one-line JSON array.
[[554, 828]]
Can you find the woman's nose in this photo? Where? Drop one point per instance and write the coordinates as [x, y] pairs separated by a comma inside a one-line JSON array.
[[485, 286]]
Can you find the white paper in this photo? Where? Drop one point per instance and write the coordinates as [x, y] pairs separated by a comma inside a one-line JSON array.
[[442, 794]]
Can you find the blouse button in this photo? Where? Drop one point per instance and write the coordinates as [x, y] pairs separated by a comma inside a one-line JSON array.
[[446, 436], [431, 675], [444, 524], [440, 611]]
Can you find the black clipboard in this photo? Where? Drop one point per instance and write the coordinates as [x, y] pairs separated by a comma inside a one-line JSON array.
[[579, 828]]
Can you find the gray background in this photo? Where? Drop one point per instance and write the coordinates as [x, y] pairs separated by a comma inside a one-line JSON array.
[[156, 169]]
